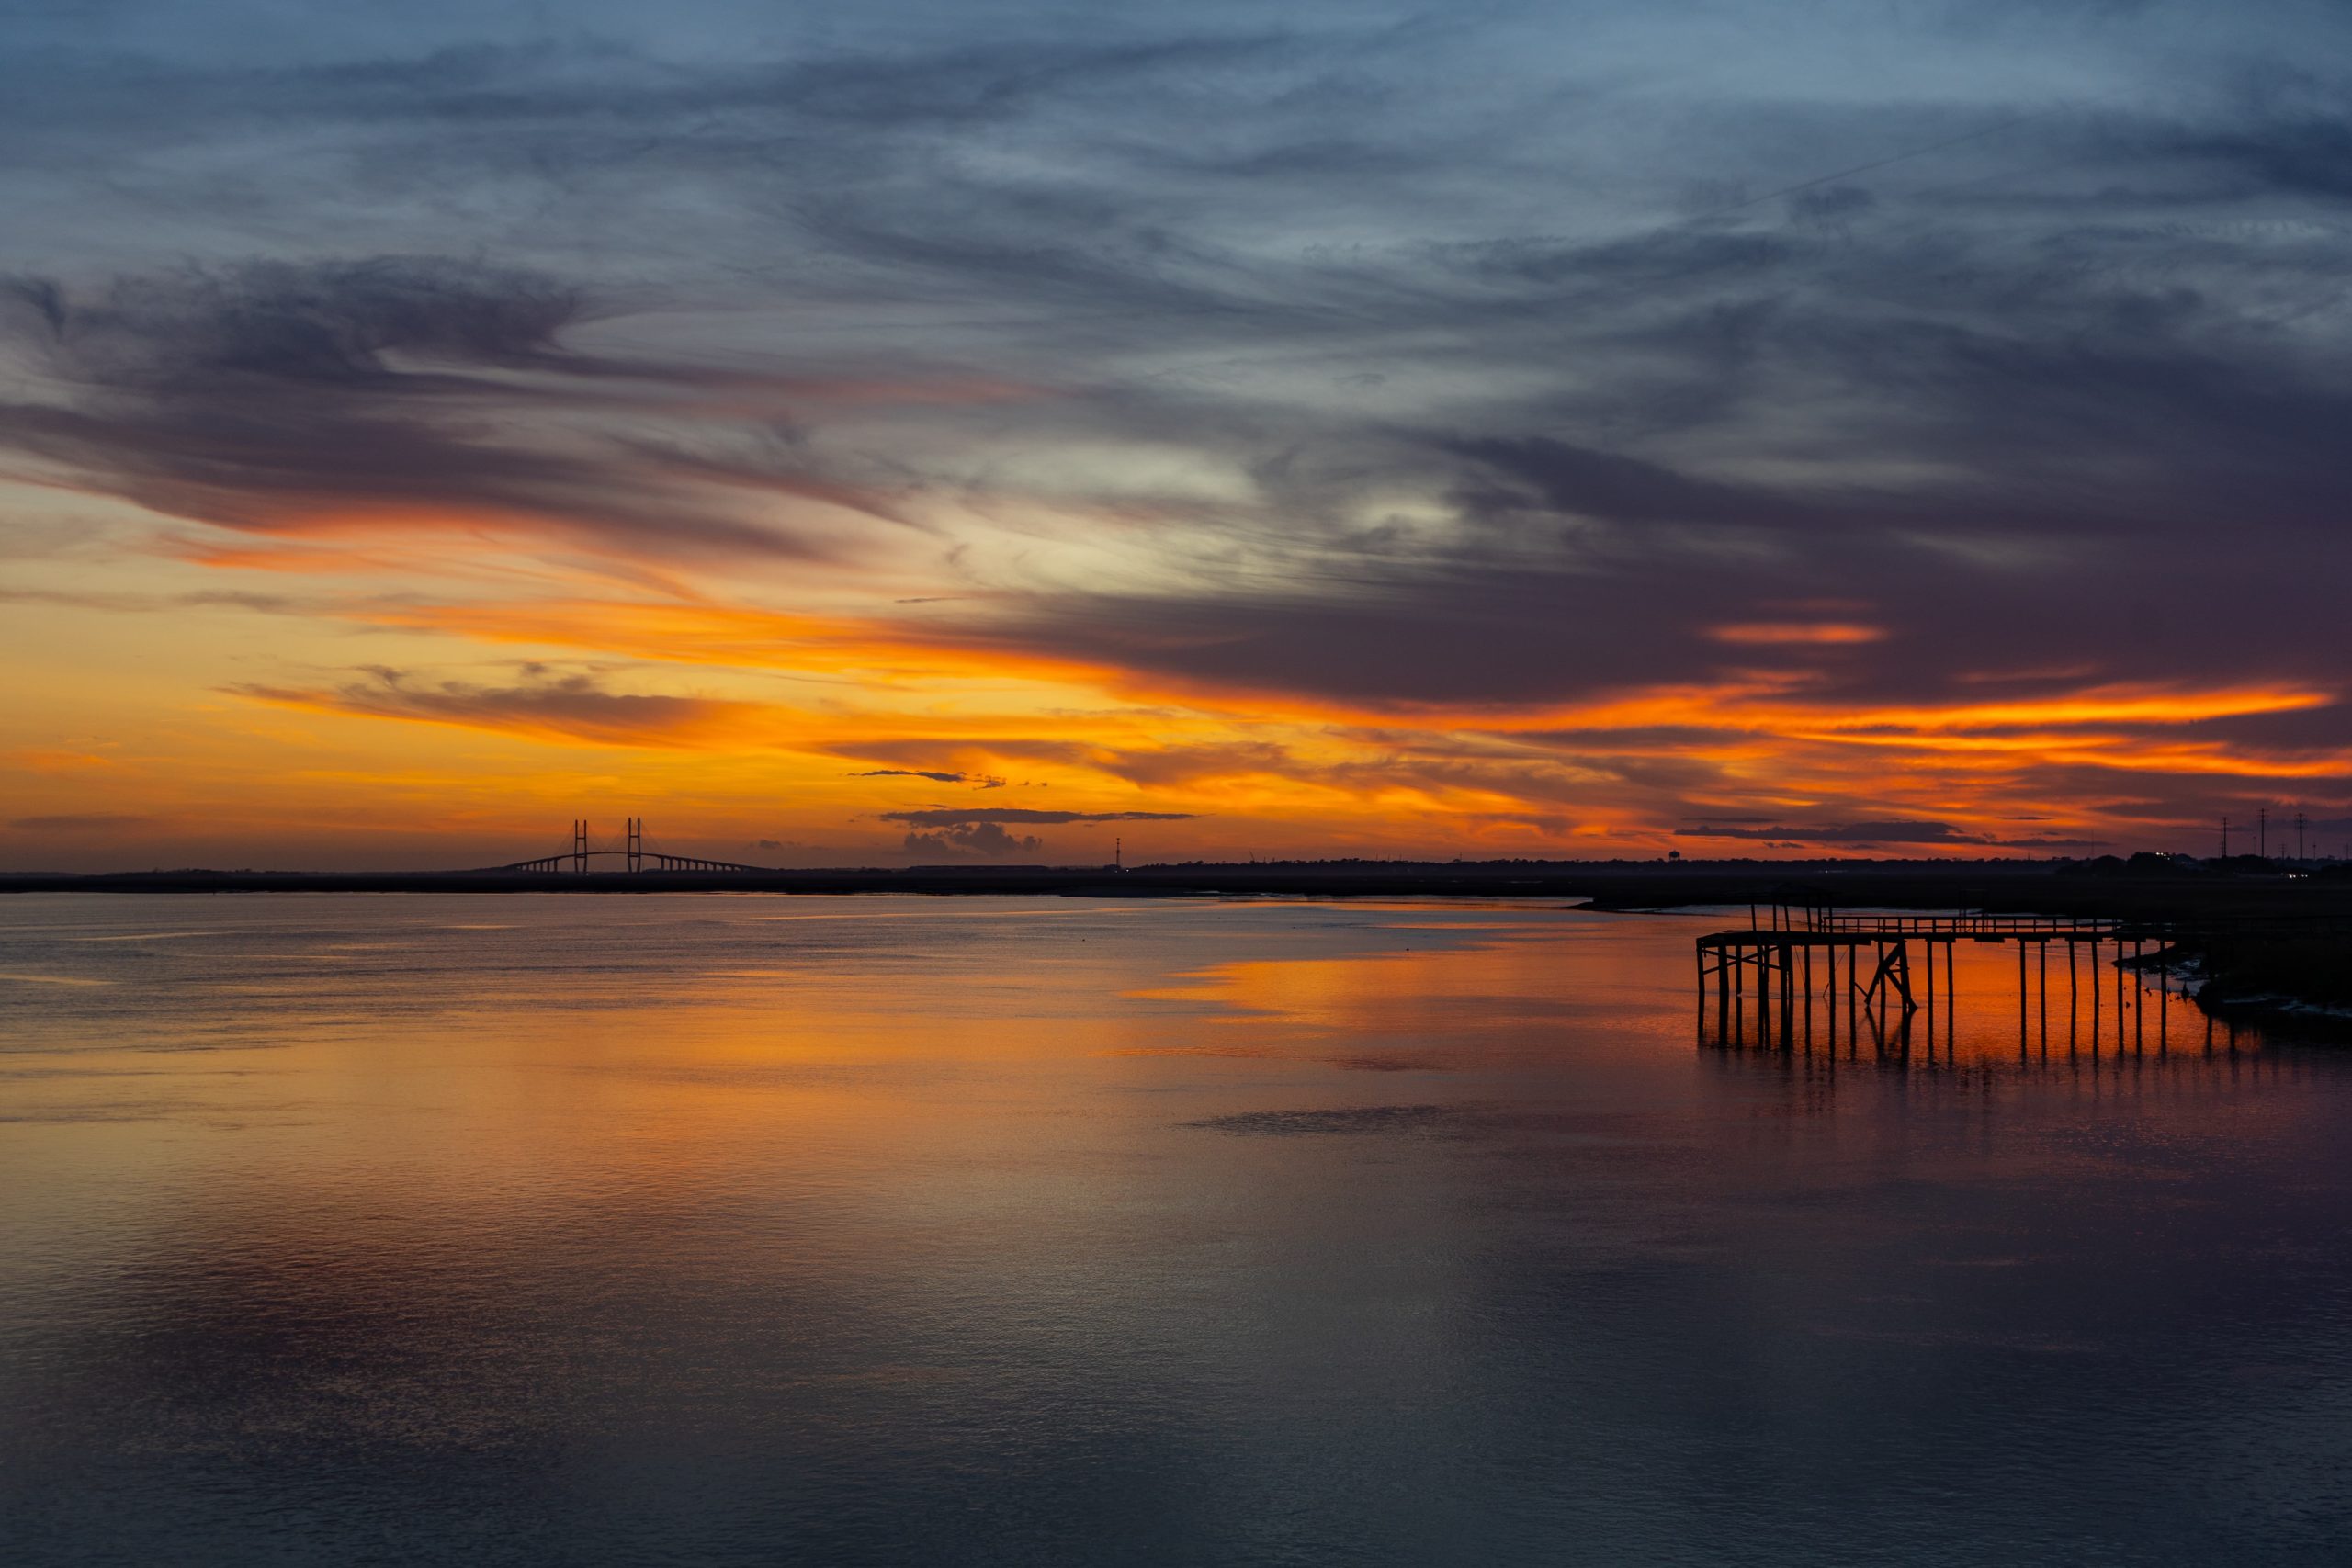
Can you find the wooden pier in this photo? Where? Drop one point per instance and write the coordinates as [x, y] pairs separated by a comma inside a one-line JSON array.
[[1790, 967]]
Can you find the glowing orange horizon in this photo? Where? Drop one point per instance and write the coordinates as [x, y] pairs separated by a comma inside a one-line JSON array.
[[564, 666]]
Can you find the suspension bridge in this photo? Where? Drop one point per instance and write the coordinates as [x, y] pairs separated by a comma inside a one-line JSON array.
[[632, 852]]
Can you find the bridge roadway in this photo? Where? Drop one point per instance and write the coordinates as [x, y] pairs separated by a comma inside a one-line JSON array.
[[576, 862], [636, 857]]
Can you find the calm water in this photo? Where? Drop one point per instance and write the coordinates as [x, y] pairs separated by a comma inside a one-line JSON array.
[[719, 1230]]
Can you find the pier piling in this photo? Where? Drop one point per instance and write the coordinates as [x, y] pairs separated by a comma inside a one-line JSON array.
[[1889, 996]]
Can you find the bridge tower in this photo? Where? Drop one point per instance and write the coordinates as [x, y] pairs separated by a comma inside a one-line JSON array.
[[637, 843], [580, 847]]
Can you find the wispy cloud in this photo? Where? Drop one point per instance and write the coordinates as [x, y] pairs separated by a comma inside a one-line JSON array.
[[982, 780], [348, 398], [569, 707], [1863, 834]]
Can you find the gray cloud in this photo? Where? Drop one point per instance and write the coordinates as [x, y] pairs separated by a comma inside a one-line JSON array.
[[572, 706], [972, 839], [279, 398], [982, 781]]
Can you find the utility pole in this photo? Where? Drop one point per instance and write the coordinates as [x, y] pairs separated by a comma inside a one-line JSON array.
[[2225, 838], [2262, 832], [1118, 854], [2299, 836]]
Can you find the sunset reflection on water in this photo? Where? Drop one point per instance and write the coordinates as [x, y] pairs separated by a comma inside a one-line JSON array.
[[880, 1230]]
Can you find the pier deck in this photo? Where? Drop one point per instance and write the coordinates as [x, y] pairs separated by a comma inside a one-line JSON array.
[[1773, 962]]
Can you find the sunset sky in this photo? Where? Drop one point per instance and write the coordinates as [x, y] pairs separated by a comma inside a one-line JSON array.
[[906, 433]]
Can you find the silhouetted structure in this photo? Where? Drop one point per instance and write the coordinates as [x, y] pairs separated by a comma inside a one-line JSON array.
[[633, 854], [1774, 962]]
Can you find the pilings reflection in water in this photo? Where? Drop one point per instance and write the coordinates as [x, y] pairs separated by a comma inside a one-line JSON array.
[[1810, 979]]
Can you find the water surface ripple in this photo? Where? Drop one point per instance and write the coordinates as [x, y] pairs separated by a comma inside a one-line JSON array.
[[762, 1230]]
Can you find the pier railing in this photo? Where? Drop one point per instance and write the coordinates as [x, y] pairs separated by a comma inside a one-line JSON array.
[[1767, 972], [1801, 917], [1993, 928]]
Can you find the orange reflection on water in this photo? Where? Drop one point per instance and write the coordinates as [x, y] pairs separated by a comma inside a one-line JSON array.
[[1981, 1002], [779, 1213]]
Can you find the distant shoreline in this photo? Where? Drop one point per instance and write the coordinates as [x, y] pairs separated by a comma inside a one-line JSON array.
[[2290, 956], [2007, 884], [1612, 883]]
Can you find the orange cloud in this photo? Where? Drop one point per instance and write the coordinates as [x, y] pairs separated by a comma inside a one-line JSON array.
[[906, 695], [1815, 632], [45, 760]]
